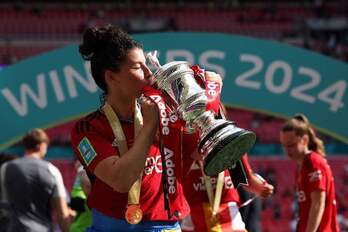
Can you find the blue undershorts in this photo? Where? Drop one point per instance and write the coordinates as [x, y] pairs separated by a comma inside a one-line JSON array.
[[103, 223]]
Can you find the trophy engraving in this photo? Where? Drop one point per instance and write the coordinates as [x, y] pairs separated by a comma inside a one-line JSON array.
[[221, 143]]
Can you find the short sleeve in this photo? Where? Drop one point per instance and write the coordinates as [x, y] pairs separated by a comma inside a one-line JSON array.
[[59, 188], [91, 148], [316, 175], [246, 164]]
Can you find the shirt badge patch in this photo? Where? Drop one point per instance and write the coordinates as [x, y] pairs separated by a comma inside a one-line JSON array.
[[86, 150]]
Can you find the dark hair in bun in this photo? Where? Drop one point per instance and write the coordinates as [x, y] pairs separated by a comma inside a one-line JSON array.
[[106, 47]]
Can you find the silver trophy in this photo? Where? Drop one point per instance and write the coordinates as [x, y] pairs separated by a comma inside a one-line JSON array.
[[221, 143]]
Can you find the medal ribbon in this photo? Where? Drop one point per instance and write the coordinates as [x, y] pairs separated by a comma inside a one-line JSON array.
[[213, 88], [134, 192], [214, 200], [171, 154]]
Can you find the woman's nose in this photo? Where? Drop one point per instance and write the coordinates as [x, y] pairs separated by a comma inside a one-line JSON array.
[[147, 71]]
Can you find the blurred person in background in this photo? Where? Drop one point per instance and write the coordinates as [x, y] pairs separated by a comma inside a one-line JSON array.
[[4, 157], [34, 187], [78, 200], [4, 206], [201, 193], [314, 180]]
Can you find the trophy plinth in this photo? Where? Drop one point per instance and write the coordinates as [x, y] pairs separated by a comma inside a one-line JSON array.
[[221, 142], [224, 146]]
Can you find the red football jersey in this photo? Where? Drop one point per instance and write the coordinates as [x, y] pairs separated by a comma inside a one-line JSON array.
[[195, 191], [92, 141], [316, 174], [197, 197], [196, 194]]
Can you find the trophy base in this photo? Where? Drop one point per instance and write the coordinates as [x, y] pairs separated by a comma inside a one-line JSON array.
[[228, 151]]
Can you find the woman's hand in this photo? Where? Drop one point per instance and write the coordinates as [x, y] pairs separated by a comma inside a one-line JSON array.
[[259, 186], [213, 76], [266, 190], [150, 113]]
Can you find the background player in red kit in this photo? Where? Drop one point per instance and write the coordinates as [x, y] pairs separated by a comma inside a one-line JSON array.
[[228, 216], [201, 195], [119, 145], [314, 180]]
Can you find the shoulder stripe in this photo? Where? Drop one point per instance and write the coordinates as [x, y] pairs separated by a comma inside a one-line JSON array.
[[85, 126], [82, 126], [95, 114], [77, 127]]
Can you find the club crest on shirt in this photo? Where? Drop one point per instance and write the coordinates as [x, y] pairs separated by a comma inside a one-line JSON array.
[[86, 150]]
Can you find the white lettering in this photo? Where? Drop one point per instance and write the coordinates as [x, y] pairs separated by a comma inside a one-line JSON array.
[[168, 153], [270, 76], [199, 187], [243, 79], [57, 87], [171, 189], [164, 120], [212, 88], [20, 103], [165, 131], [71, 75], [170, 170], [169, 163], [203, 60], [173, 118], [153, 164], [196, 187], [163, 114], [21, 107]]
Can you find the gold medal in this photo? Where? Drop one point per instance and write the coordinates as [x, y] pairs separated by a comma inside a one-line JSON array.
[[134, 214]]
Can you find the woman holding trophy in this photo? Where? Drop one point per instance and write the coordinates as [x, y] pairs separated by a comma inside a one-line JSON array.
[[132, 146]]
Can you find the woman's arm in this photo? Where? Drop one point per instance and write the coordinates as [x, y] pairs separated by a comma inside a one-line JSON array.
[[259, 186], [316, 210], [121, 172]]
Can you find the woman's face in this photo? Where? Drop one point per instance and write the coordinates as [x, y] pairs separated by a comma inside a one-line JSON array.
[[134, 74], [295, 146]]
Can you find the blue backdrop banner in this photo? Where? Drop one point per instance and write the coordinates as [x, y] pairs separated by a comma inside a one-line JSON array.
[[258, 75]]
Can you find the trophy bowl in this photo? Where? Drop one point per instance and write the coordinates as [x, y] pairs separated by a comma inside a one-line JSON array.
[[221, 142]]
